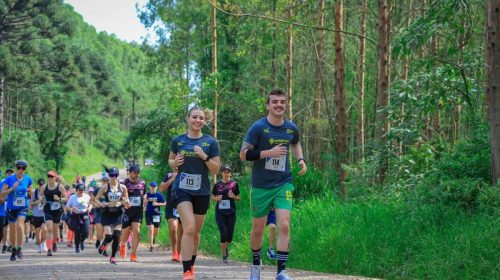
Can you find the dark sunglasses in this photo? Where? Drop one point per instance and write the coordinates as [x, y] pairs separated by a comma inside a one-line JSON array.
[[21, 167], [50, 176], [113, 175]]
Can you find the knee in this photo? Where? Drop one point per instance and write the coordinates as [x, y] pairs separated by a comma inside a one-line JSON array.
[[189, 230], [284, 228]]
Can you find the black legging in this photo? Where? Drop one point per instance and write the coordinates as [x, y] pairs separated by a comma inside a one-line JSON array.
[[226, 226], [80, 224]]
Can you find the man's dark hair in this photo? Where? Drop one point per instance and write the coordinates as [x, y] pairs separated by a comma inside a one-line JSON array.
[[277, 92]]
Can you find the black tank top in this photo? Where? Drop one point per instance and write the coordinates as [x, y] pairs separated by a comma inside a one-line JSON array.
[[113, 196], [49, 194]]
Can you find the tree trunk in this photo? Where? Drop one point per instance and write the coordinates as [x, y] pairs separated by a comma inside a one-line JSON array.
[[289, 66], [493, 90], [320, 86], [341, 130], [361, 75], [273, 60], [2, 84], [382, 102], [214, 67]]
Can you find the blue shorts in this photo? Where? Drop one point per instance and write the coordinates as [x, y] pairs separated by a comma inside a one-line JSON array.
[[271, 218], [97, 217], [13, 214]]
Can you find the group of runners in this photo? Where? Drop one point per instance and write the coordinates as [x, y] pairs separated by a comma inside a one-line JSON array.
[[114, 209]]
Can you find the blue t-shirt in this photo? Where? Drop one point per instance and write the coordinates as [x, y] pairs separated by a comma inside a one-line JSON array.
[[156, 197], [18, 199], [193, 173], [271, 172]]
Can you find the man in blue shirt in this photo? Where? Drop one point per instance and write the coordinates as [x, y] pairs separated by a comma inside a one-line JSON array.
[[15, 187], [266, 144], [153, 212]]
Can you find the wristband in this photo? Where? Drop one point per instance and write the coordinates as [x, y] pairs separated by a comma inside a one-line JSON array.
[[252, 155], [301, 159], [207, 159]]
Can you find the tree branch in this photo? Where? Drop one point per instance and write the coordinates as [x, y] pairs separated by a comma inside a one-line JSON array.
[[290, 22]]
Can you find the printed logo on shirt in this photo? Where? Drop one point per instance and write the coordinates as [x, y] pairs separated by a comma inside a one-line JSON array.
[[273, 141], [179, 143], [205, 144], [289, 131], [189, 153], [266, 130]]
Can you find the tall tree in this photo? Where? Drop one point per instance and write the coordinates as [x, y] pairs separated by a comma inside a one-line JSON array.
[[341, 127], [289, 63], [361, 77], [316, 147], [214, 65], [382, 101], [493, 90]]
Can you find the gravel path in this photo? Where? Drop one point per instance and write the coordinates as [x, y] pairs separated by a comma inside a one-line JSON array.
[[66, 264]]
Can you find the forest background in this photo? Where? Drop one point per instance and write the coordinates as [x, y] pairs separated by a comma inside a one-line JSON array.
[[394, 100]]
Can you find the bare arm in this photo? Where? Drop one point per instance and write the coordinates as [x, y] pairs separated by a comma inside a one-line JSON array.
[[96, 199], [165, 185], [276, 151], [297, 152]]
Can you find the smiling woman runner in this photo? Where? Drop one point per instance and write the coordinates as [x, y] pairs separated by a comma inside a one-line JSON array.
[[116, 197], [15, 187], [55, 196], [194, 154]]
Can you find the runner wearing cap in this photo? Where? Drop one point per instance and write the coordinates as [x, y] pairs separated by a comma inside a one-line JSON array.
[[55, 197], [116, 196], [153, 212], [38, 218], [5, 225], [225, 192], [194, 154], [132, 218], [15, 187], [97, 221], [174, 225], [79, 205]]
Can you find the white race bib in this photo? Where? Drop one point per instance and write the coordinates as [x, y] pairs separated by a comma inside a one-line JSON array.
[[156, 218], [19, 201], [135, 201], [175, 213], [224, 204], [276, 163], [190, 182], [55, 205]]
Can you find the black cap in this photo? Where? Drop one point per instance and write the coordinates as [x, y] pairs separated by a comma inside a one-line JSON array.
[[22, 163], [80, 186], [134, 168], [114, 171], [225, 167]]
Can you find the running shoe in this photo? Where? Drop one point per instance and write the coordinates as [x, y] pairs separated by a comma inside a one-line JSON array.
[[13, 255], [44, 247], [54, 247], [49, 253], [224, 259], [102, 249], [82, 246], [97, 243], [4, 248], [20, 254], [112, 260], [77, 250], [188, 275], [271, 254], [133, 258], [151, 249], [283, 276], [175, 257], [105, 253], [123, 251], [255, 272], [40, 248], [9, 249]]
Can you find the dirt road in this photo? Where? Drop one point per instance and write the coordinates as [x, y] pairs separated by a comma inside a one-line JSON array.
[[66, 264]]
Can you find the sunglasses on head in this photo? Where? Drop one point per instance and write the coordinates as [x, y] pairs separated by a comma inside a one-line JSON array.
[[21, 167]]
